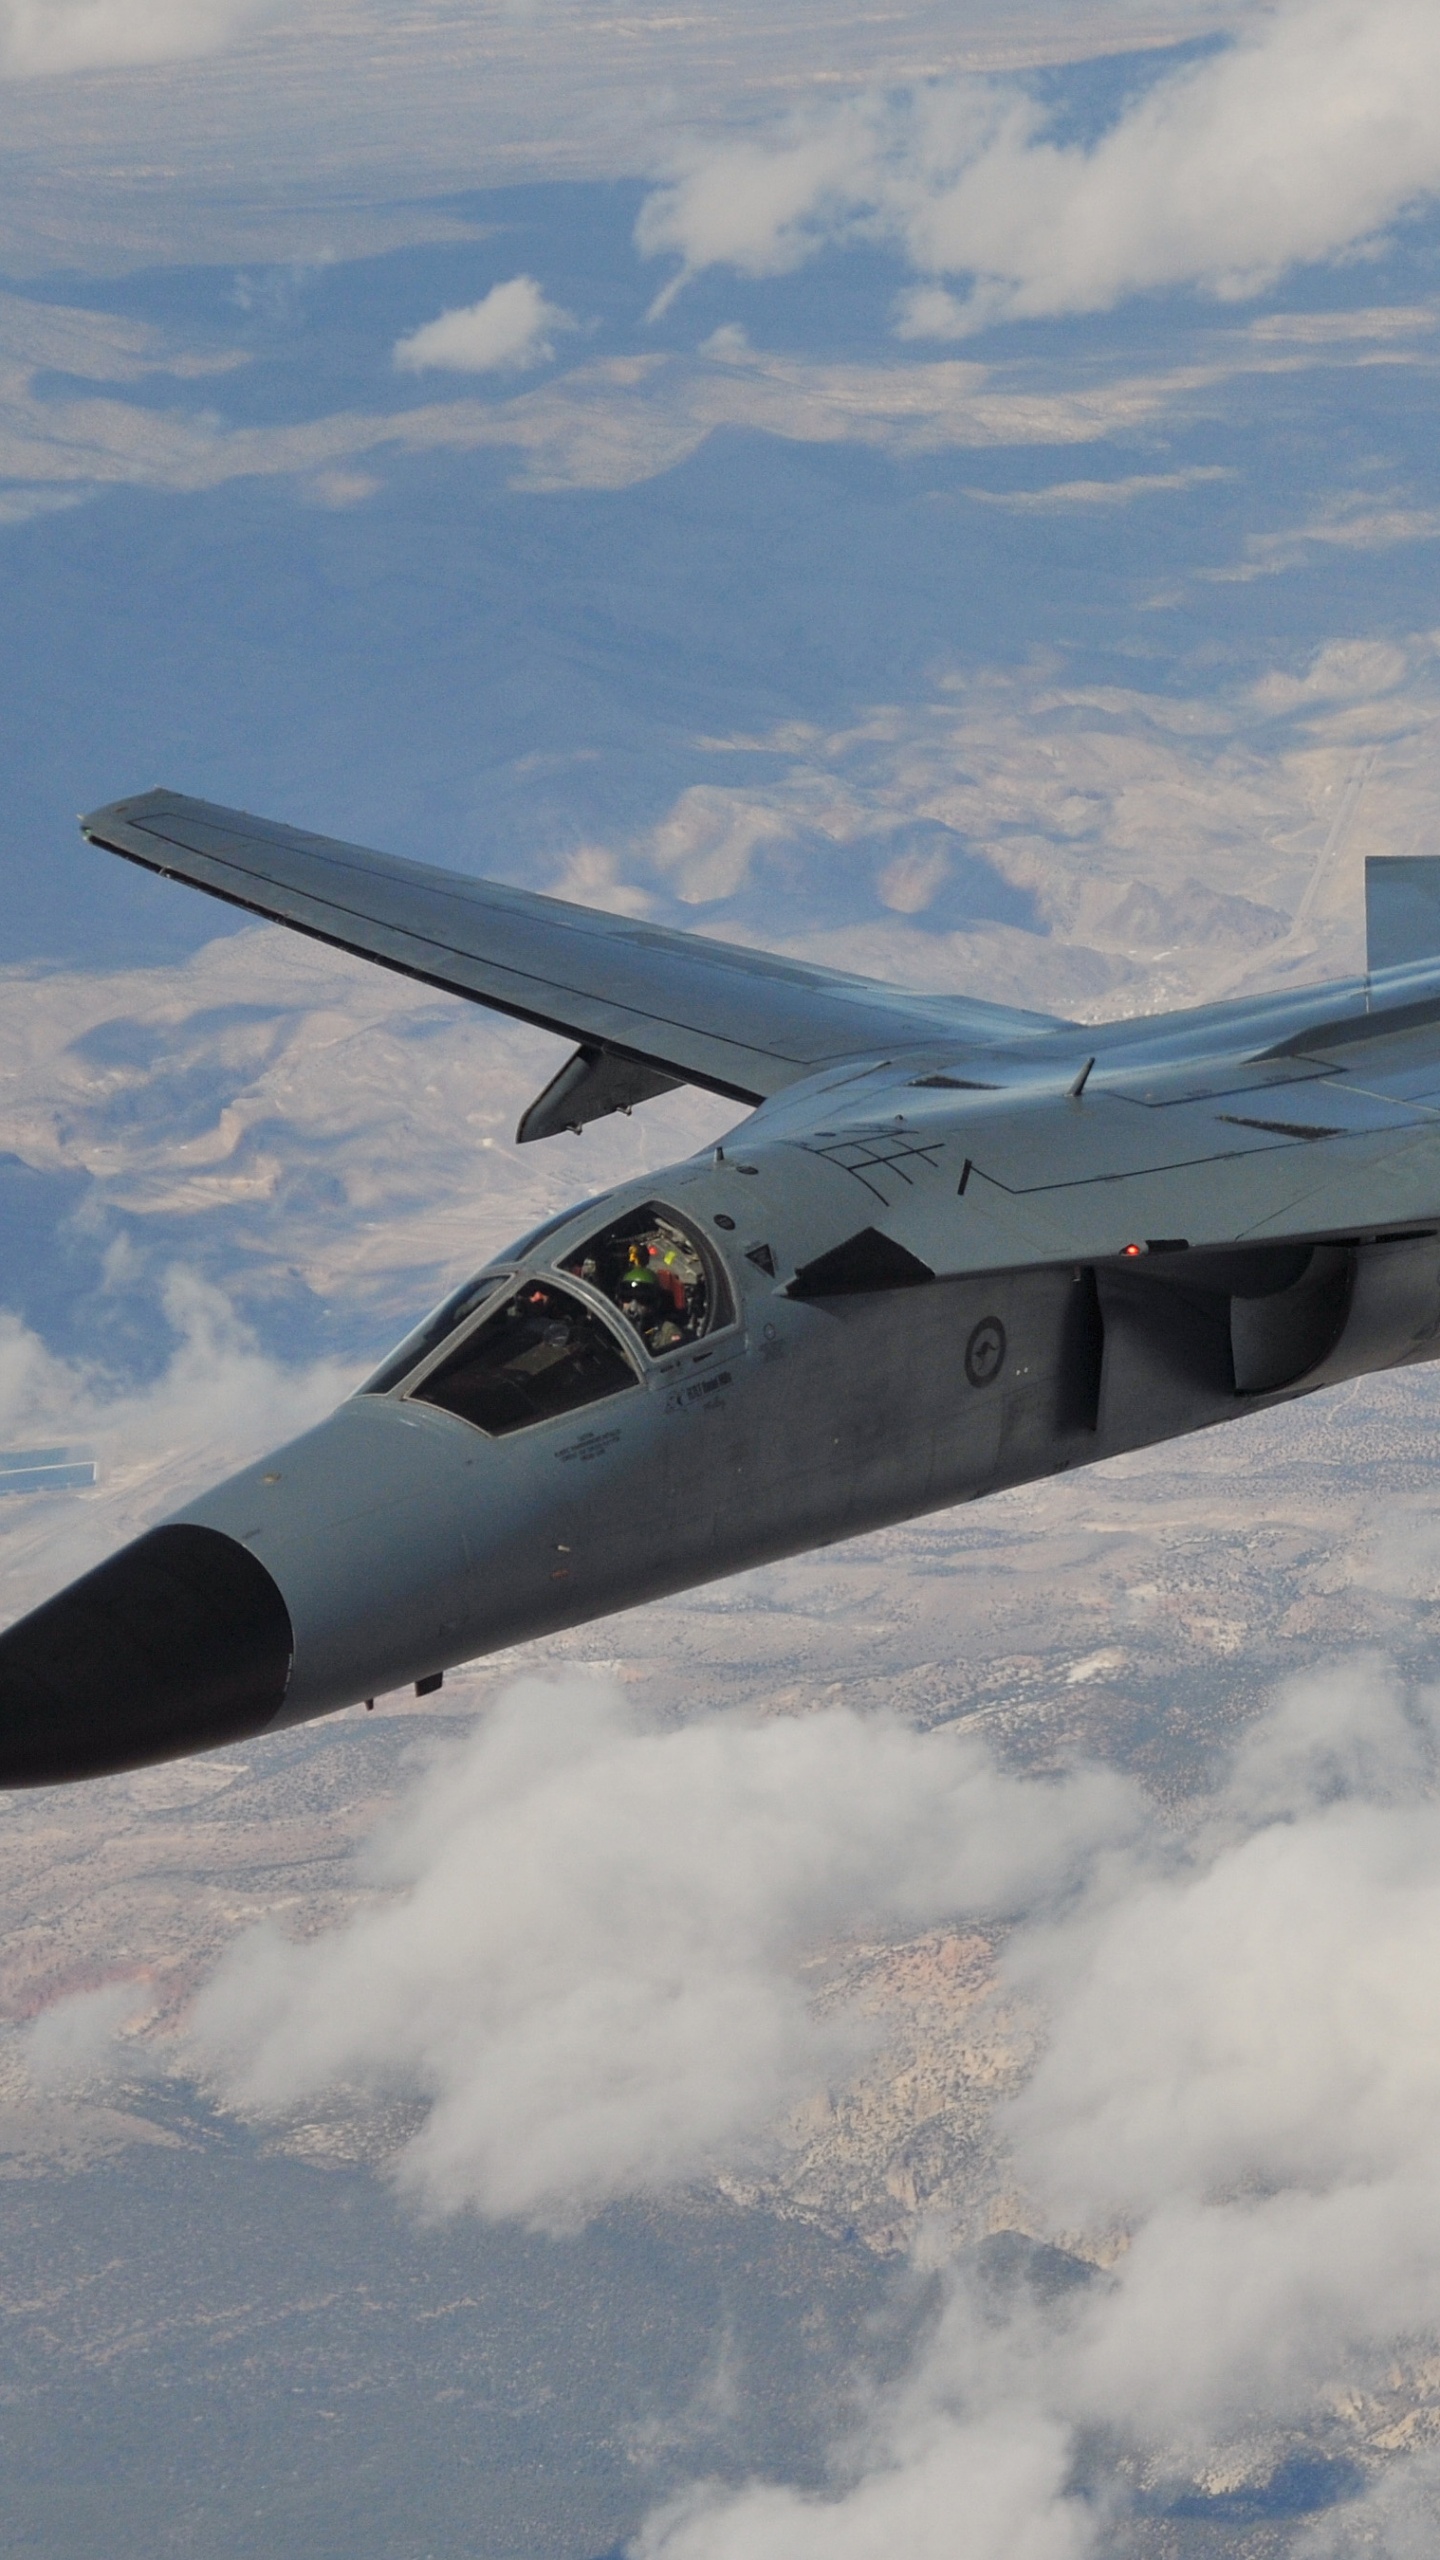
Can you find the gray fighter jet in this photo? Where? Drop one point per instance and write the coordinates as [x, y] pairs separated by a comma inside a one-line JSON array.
[[953, 1247]]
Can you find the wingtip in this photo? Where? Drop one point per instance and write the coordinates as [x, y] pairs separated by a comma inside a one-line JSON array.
[[118, 813]]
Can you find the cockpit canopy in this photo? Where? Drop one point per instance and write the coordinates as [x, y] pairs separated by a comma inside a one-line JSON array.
[[541, 1353], [659, 1275], [524, 1349], [426, 1339]]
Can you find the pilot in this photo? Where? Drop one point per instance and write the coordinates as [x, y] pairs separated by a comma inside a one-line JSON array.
[[639, 1296]]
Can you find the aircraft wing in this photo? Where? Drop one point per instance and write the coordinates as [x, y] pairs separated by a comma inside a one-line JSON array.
[[685, 1008], [1338, 1137]]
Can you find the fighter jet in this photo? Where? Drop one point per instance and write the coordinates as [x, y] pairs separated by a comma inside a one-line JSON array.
[[953, 1247]]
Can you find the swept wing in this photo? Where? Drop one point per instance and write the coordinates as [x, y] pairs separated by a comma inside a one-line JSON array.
[[1308, 1114], [688, 1009]]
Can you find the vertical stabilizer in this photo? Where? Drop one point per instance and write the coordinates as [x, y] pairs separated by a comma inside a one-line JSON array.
[[1402, 909]]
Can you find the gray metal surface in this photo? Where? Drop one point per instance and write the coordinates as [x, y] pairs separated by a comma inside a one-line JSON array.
[[1402, 908], [743, 1023], [953, 1249], [589, 1087]]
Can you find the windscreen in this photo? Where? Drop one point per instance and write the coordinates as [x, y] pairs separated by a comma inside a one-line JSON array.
[[540, 1354], [427, 1337]]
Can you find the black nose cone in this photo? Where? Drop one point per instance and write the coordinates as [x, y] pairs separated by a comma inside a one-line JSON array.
[[180, 1642]]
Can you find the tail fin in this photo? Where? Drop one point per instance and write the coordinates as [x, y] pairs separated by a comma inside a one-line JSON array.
[[1402, 909]]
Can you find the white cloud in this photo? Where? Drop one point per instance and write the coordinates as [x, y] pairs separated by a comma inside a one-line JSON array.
[[762, 207], [1341, 671], [1119, 492], [1381, 324], [1000, 2482], [75, 2041], [99, 346], [359, 120], [588, 1951], [1395, 2520], [220, 1400], [1241, 2088], [219, 1386], [40, 36], [589, 1960], [605, 425], [336, 489], [706, 843], [20, 506], [508, 331], [1243, 2070], [1300, 141], [1345, 525], [612, 423]]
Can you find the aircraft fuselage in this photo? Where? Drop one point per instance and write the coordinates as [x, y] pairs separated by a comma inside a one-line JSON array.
[[835, 1385], [956, 1247]]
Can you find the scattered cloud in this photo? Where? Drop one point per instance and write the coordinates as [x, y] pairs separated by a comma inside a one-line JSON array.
[[608, 424], [1156, 847], [510, 330], [1120, 492], [354, 121], [706, 844], [1236, 2100], [219, 1400], [336, 489], [618, 421], [97, 346], [1007, 2476], [1395, 2518], [1240, 2076], [1347, 524], [1299, 141], [591, 1950], [47, 36], [1378, 324], [74, 2041], [19, 506], [587, 1958], [1342, 671], [218, 1385]]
